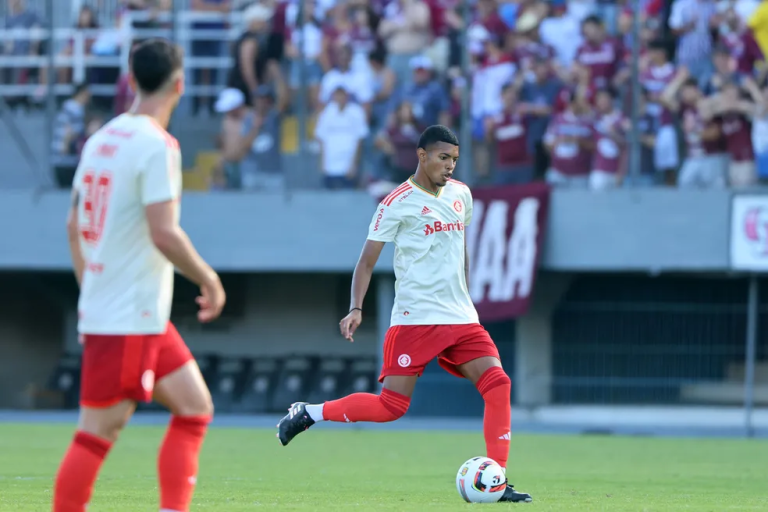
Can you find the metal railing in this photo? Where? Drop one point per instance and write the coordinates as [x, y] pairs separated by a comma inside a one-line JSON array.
[[79, 60]]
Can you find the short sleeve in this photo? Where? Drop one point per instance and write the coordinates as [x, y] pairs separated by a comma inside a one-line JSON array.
[[384, 224], [468, 208], [161, 175]]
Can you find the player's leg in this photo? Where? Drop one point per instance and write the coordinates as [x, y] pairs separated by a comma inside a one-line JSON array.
[[181, 388], [111, 384], [476, 358], [97, 430], [407, 350]]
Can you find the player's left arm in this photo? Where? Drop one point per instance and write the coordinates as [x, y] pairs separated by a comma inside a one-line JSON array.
[[73, 235]]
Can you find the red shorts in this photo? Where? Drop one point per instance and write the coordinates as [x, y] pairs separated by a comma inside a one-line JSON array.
[[409, 348], [126, 367]]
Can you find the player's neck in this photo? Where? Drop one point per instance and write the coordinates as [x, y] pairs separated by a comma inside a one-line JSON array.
[[421, 180], [159, 113]]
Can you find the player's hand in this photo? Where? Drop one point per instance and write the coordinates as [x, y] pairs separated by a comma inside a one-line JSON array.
[[350, 323], [211, 300]]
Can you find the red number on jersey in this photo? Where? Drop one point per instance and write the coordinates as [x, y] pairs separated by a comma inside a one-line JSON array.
[[96, 191]]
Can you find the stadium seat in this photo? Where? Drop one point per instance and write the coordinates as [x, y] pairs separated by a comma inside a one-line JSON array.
[[227, 385], [362, 377], [292, 382], [328, 381], [259, 384], [66, 380], [208, 364]]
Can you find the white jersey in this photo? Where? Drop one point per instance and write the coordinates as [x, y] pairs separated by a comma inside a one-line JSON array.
[[428, 232], [127, 284]]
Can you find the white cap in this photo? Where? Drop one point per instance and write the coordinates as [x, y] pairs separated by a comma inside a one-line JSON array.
[[229, 100], [420, 62], [257, 12]]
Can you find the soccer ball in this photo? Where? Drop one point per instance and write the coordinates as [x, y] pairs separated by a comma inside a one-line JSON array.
[[481, 480]]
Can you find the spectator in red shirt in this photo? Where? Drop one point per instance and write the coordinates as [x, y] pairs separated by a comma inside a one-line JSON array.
[[599, 53], [570, 140], [737, 129], [610, 134], [702, 168], [508, 129]]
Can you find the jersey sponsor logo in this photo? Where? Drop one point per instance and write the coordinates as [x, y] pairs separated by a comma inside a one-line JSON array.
[[404, 360], [404, 196], [378, 219], [441, 227], [457, 206], [387, 201], [425, 211]]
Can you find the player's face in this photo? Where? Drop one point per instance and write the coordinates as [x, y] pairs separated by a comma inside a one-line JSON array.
[[439, 162]]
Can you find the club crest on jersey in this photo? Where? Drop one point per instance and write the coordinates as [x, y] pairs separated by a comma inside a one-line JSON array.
[[457, 206], [438, 227]]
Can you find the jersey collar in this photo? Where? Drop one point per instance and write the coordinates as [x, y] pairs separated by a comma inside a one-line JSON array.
[[433, 194]]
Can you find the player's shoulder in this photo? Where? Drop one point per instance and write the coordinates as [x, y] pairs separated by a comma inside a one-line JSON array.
[[459, 188], [399, 196], [143, 130]]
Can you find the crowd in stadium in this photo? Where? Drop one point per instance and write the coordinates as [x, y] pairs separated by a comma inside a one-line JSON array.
[[550, 88]]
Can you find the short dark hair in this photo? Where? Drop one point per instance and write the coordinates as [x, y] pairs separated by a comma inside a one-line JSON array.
[[593, 19], [153, 62], [437, 133], [690, 82]]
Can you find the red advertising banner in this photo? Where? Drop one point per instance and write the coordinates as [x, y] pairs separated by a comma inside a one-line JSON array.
[[504, 241]]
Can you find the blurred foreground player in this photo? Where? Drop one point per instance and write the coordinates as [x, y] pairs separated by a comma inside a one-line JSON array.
[[125, 240], [433, 315]]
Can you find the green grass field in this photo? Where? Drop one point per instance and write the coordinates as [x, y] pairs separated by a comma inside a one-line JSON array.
[[337, 470]]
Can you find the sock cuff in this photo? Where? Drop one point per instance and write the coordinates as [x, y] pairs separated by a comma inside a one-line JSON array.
[[394, 402], [492, 378], [192, 424], [96, 445]]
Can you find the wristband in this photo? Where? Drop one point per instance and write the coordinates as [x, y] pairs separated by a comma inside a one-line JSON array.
[[359, 309]]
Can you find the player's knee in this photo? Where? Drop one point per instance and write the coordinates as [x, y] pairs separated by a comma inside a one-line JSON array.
[[395, 404], [201, 406]]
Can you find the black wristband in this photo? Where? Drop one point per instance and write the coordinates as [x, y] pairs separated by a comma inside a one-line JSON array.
[[359, 309]]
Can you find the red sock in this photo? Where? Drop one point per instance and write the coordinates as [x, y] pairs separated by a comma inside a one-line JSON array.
[[177, 464], [496, 388], [388, 406], [78, 472]]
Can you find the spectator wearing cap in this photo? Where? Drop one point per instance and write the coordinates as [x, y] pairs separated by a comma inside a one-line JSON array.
[[406, 32], [250, 140], [255, 52], [358, 85], [528, 47], [341, 128], [425, 93]]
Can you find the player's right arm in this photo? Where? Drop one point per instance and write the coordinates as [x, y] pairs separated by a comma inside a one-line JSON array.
[[383, 229], [159, 193]]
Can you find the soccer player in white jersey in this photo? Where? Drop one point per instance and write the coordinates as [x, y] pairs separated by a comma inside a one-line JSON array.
[[433, 315], [125, 241]]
